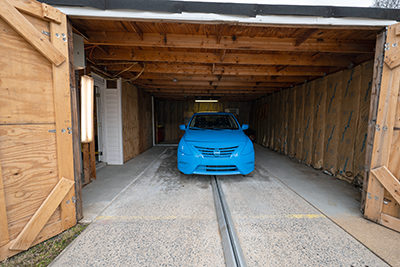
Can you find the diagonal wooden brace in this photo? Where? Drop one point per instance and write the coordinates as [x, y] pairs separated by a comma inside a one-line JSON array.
[[389, 181], [42, 215], [32, 35]]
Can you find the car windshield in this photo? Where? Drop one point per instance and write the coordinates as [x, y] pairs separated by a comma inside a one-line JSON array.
[[213, 121]]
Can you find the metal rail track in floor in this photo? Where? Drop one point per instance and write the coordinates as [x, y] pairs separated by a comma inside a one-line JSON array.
[[230, 243]]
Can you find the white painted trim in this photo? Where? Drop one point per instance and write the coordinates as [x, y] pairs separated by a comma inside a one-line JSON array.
[[101, 84], [152, 121], [210, 17], [121, 145]]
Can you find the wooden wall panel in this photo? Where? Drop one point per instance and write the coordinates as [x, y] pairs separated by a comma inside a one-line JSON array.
[[35, 116], [308, 122], [19, 61], [29, 166], [277, 122], [319, 122], [145, 122], [313, 118], [292, 123], [298, 146], [362, 121], [347, 127], [172, 113], [136, 121], [286, 121], [334, 95], [130, 121]]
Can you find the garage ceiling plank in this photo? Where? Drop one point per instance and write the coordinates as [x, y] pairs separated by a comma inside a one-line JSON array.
[[214, 83], [205, 77], [21, 25], [221, 69], [228, 42], [389, 181], [42, 215], [229, 58]]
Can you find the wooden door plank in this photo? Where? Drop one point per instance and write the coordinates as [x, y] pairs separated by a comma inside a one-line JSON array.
[[389, 181], [383, 130], [373, 111], [43, 214], [75, 127], [4, 235], [21, 25], [37, 9], [390, 222], [62, 104]]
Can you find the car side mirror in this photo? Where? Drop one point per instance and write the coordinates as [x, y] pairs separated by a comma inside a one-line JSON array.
[[182, 127], [245, 126]]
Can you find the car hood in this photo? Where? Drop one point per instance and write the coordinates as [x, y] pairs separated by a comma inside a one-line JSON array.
[[219, 136]]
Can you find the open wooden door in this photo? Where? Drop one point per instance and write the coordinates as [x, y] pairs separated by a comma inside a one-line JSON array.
[[37, 197], [383, 194]]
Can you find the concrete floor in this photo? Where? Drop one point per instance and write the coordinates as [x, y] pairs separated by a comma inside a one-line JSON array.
[[149, 214]]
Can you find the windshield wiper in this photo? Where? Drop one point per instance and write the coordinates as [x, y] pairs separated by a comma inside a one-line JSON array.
[[196, 128]]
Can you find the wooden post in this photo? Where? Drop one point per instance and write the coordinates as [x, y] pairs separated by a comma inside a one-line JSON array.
[[86, 163], [75, 127], [373, 111], [62, 104], [4, 235], [92, 161]]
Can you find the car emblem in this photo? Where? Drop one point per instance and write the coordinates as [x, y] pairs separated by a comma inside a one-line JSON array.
[[217, 152]]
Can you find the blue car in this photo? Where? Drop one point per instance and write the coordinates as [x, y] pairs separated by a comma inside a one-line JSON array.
[[214, 144]]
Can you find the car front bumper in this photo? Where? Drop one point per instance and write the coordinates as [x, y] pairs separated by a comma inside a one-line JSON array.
[[198, 164]]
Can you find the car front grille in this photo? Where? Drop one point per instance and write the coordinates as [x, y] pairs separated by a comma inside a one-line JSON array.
[[217, 168], [223, 152]]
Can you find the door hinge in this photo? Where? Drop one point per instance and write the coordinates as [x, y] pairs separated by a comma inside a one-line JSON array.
[[100, 153], [46, 33], [52, 131]]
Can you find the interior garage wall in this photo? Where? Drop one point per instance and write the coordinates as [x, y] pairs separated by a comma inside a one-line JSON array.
[[322, 123], [170, 114], [136, 121]]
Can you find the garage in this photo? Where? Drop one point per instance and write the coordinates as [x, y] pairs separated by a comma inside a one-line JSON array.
[[315, 84]]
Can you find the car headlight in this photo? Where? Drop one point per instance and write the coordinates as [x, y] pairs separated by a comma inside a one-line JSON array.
[[184, 148], [248, 148]]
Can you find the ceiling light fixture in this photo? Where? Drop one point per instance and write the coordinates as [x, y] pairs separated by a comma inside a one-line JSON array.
[[206, 100]]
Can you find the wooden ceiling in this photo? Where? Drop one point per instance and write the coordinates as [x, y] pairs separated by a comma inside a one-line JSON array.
[[180, 61]]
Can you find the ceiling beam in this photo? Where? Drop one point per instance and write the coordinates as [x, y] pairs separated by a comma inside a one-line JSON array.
[[226, 58], [227, 78], [304, 37], [214, 83], [229, 42], [208, 88], [131, 26], [221, 69]]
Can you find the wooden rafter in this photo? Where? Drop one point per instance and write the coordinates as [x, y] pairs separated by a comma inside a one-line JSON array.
[[239, 42], [131, 26], [226, 58], [219, 69], [227, 78], [304, 37]]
